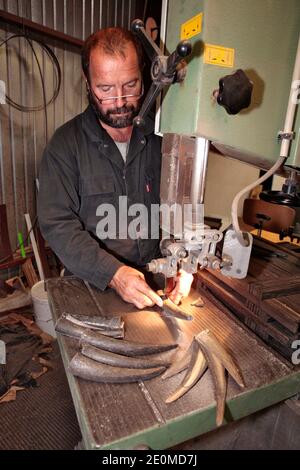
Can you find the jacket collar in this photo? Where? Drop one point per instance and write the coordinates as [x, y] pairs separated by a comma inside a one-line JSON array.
[[98, 134]]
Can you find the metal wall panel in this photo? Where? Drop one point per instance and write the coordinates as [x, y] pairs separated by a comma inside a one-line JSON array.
[[23, 136]]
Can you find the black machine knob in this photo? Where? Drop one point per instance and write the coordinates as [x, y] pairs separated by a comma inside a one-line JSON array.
[[136, 25], [235, 92], [184, 48], [164, 69]]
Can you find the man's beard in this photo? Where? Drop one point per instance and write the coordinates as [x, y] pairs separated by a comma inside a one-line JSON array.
[[109, 117]]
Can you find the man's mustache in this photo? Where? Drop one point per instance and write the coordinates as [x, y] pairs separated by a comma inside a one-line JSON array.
[[123, 110]]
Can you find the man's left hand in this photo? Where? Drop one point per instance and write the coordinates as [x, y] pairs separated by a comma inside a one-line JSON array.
[[183, 282]]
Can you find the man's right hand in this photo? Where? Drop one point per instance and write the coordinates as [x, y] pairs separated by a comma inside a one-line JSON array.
[[130, 284]]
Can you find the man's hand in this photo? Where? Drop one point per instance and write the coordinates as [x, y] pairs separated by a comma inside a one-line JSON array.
[[130, 284], [183, 282]]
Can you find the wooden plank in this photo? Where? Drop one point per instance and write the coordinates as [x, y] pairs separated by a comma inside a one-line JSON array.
[[284, 314], [275, 288], [43, 253], [29, 273], [292, 256], [239, 307], [292, 302], [43, 30], [17, 81], [34, 247], [17, 299], [5, 289], [278, 338], [7, 117], [5, 248]]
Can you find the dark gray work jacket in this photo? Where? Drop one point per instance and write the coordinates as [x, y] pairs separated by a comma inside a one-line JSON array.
[[81, 169]]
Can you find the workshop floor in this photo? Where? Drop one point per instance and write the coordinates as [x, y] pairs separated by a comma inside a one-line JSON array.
[[44, 418]]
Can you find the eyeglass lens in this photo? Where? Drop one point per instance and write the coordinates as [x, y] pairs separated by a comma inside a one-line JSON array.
[[115, 98]]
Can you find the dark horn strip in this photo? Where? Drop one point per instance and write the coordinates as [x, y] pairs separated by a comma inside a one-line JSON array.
[[110, 344], [114, 333], [88, 369], [112, 323], [65, 327], [171, 309], [106, 357], [123, 346]]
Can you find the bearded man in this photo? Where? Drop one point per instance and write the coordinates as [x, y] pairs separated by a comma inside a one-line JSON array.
[[95, 160]]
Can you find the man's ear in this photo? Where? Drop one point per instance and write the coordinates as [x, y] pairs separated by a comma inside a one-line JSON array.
[[87, 86], [85, 78]]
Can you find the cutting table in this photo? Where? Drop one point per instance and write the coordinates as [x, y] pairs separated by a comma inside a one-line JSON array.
[[128, 416]]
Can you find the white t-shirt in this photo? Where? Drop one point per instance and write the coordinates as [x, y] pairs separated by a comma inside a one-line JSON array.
[[123, 148]]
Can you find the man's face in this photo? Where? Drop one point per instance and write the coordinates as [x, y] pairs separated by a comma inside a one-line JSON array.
[[114, 76]]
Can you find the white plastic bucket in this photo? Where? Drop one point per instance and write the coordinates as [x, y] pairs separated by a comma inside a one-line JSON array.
[[42, 312]]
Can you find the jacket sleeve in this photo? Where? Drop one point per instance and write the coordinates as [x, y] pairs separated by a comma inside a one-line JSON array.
[[58, 207]]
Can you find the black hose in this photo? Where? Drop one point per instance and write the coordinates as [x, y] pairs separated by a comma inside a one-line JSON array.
[[57, 71]]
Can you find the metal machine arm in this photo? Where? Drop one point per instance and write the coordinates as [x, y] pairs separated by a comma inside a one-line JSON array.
[[163, 68]]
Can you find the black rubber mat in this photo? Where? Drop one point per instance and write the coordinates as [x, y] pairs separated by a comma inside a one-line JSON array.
[[41, 418]]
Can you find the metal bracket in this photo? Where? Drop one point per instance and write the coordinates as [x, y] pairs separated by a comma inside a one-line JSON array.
[[239, 254], [285, 135]]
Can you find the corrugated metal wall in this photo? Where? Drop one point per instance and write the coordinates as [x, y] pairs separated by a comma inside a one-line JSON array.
[[23, 135]]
